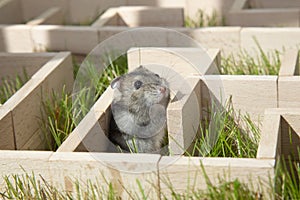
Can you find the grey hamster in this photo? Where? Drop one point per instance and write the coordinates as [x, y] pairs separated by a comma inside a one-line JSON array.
[[139, 105]]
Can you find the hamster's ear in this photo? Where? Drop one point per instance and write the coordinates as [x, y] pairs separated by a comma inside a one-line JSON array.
[[115, 83]]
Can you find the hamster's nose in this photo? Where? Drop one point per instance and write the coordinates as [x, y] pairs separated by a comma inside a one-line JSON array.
[[162, 89]]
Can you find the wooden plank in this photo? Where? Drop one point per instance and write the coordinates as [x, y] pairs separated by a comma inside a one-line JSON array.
[[33, 8], [157, 3], [107, 32], [7, 141], [243, 90], [275, 4], [238, 5], [288, 92], [91, 132], [25, 104], [13, 64], [85, 13], [15, 38], [264, 17], [184, 61], [79, 40], [26, 120], [290, 63], [53, 76], [288, 142], [290, 135], [121, 170], [36, 142], [52, 15], [22, 162], [286, 38], [56, 74], [10, 12], [151, 16], [186, 173], [225, 38], [270, 139], [108, 18], [154, 173], [25, 108], [87, 136], [183, 119]]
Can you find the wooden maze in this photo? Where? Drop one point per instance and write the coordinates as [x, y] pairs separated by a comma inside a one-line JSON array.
[[29, 28]]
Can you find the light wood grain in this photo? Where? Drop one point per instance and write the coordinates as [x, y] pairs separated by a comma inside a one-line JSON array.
[[264, 17], [184, 61], [290, 136], [187, 174], [286, 38], [288, 91], [270, 139], [7, 140], [249, 94], [22, 162], [227, 39], [25, 104], [17, 39], [290, 63], [10, 12], [154, 173], [121, 170], [91, 133], [286, 133], [13, 64], [151, 16], [79, 40], [108, 18], [52, 15], [183, 119], [275, 4]]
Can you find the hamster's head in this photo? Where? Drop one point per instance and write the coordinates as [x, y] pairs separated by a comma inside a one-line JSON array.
[[140, 101], [142, 89]]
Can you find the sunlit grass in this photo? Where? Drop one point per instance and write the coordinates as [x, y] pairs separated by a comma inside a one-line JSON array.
[[246, 64], [11, 85], [234, 135], [63, 112], [202, 19]]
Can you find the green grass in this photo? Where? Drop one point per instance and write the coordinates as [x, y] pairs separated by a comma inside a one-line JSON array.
[[11, 85], [203, 20], [288, 177], [245, 64], [62, 113], [231, 140]]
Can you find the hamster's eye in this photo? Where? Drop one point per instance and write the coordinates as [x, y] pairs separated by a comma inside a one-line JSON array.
[[157, 75], [138, 84]]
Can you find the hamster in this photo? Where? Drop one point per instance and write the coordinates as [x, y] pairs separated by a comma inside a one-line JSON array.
[[139, 106]]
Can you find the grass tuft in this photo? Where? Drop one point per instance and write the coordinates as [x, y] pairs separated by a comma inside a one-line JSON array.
[[203, 20], [245, 64], [11, 85], [62, 112], [236, 135]]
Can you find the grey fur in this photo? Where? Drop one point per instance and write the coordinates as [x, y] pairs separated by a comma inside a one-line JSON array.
[[139, 115]]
